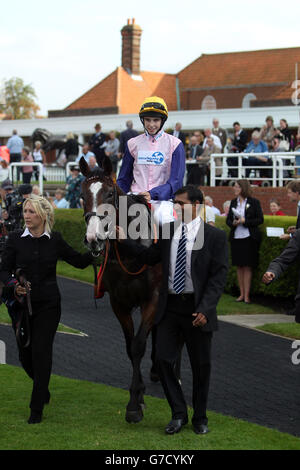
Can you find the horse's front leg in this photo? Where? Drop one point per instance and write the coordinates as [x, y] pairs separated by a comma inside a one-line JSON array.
[[136, 403]]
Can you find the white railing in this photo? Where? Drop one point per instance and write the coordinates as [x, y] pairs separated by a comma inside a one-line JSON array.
[[33, 164], [282, 165]]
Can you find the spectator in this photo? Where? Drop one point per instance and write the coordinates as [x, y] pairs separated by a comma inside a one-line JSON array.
[[36, 190], [97, 144], [275, 207], [112, 151], [210, 147], [285, 134], [226, 207], [196, 172], [27, 170], [86, 154], [59, 202], [4, 153], [93, 163], [199, 136], [210, 203], [219, 132], [178, 133], [239, 144], [71, 148], [127, 135], [276, 145], [244, 217], [256, 145], [73, 188], [208, 134], [4, 173], [15, 146], [39, 157], [268, 132]]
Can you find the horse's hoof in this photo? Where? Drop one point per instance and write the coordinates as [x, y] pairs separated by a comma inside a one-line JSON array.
[[154, 377], [134, 416]]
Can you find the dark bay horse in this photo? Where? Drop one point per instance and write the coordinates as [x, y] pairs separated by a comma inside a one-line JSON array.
[[128, 284]]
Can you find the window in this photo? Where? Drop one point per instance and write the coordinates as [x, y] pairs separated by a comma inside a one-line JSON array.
[[246, 100], [209, 102]]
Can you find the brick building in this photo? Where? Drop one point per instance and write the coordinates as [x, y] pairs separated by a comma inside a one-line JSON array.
[[213, 81]]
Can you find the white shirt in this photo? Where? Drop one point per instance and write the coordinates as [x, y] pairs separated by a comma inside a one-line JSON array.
[[241, 231], [216, 140], [210, 216], [192, 228], [27, 232]]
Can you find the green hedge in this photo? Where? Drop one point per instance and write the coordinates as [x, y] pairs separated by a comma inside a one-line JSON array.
[[71, 224], [270, 248]]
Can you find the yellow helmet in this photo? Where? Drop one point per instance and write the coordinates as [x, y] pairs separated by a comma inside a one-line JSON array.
[[154, 107]]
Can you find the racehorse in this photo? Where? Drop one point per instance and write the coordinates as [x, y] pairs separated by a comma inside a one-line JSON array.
[[128, 284]]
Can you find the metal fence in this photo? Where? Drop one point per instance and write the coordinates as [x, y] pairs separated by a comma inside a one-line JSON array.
[[283, 167]]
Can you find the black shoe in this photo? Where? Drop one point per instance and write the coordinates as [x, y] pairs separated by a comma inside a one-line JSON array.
[[175, 426], [35, 417], [200, 428]]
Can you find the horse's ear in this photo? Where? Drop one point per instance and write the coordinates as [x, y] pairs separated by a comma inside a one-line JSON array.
[[107, 166], [84, 168]]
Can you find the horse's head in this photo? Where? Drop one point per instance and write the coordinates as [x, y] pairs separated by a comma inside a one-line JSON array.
[[99, 193]]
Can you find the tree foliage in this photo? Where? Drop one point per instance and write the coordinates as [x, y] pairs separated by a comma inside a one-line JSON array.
[[19, 100]]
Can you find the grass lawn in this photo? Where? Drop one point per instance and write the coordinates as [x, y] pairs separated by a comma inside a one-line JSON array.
[[289, 330], [84, 415]]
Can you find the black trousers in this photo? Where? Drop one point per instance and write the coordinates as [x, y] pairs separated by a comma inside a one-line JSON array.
[[16, 158], [37, 358], [174, 329]]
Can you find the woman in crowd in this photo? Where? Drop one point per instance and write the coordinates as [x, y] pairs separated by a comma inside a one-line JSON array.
[[37, 250], [244, 217], [39, 157], [71, 148], [73, 188], [275, 207], [4, 173], [27, 170]]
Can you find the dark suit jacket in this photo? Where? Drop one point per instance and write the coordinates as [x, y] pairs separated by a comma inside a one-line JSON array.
[[181, 136], [209, 270], [38, 258], [253, 218], [241, 141], [286, 258]]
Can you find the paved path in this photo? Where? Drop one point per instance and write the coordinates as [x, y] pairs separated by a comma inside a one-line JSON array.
[[252, 321], [253, 376]]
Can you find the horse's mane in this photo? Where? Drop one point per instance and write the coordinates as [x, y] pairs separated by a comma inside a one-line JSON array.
[[137, 199]]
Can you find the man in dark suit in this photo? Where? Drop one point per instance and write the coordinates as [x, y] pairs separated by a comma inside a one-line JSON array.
[[178, 133], [239, 144], [280, 264], [194, 267], [97, 144], [127, 135]]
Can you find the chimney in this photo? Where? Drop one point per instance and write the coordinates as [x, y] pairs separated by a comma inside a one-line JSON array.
[[131, 38]]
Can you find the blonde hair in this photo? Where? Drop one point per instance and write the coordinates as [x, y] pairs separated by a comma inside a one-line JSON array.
[[43, 208]]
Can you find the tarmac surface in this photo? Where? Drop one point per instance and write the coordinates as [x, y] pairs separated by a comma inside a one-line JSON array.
[[253, 375]]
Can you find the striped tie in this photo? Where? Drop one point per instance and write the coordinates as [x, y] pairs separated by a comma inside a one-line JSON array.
[[179, 276]]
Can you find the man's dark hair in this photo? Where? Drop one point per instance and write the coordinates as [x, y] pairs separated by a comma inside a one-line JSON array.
[[193, 192], [294, 186], [236, 124]]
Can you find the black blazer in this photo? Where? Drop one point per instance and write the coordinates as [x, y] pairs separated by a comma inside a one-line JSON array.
[[290, 254], [38, 258], [209, 267], [253, 218], [241, 141]]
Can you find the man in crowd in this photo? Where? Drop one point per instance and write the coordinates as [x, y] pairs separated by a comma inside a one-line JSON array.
[[86, 154], [195, 174], [208, 134], [268, 132], [177, 132], [239, 144], [126, 135], [219, 132], [97, 144], [256, 145], [210, 203], [15, 146]]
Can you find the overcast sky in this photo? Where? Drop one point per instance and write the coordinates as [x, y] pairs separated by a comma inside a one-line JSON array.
[[65, 47]]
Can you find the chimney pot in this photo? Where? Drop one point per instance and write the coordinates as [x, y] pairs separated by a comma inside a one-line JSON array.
[[131, 38]]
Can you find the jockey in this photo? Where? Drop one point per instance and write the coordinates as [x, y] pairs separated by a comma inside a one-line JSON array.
[[154, 162]]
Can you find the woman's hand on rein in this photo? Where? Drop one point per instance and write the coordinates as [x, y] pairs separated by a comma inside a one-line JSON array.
[[21, 290], [120, 234]]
